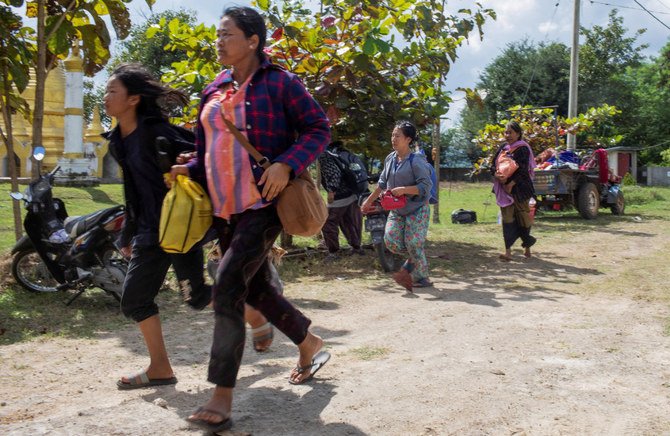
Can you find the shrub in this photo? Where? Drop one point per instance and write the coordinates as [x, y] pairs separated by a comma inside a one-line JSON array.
[[636, 195], [628, 180]]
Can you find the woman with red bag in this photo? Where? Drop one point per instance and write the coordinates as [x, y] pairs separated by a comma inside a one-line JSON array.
[[406, 176], [512, 168]]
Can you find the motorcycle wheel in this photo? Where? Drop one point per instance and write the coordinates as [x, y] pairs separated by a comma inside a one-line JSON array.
[[385, 257], [30, 272]]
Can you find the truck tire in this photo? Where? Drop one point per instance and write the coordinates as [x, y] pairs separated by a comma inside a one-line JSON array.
[[620, 205], [588, 201]]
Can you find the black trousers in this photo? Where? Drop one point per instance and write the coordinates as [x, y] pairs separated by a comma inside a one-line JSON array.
[[350, 220], [146, 273]]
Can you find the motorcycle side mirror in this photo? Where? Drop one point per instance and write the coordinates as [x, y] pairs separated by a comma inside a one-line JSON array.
[[39, 152], [16, 195]]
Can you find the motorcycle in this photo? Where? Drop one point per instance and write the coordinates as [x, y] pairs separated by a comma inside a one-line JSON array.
[[60, 252], [375, 223]]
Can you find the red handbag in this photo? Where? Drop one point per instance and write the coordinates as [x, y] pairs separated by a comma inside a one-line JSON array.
[[391, 202]]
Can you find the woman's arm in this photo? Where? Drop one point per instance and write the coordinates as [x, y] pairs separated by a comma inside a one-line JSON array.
[[371, 199]]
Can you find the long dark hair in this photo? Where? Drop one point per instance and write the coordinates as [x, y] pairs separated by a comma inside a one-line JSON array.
[[249, 21], [516, 127], [407, 129], [155, 99]]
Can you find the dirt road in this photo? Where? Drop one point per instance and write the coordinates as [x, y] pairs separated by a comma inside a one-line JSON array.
[[573, 341]]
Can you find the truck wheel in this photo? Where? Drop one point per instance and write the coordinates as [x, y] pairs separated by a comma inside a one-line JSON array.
[[620, 205], [588, 201]]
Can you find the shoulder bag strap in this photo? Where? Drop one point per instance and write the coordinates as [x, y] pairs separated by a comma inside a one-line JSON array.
[[262, 160]]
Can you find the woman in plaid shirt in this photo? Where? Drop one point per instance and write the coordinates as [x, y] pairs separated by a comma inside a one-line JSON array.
[[272, 108]]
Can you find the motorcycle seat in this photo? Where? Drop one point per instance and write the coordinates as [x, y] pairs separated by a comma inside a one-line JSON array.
[[78, 225]]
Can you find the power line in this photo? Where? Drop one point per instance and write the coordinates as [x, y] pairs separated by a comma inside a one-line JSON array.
[[628, 7], [664, 5], [656, 18]]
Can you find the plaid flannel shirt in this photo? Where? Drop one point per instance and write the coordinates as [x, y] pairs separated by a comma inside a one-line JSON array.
[[283, 121]]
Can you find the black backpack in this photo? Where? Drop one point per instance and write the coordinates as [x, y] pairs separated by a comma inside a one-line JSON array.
[[354, 173], [461, 216]]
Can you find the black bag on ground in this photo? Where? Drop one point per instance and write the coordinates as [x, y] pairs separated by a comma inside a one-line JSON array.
[[354, 173], [462, 216]]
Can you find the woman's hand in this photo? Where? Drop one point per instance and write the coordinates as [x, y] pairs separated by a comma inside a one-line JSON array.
[[366, 205], [502, 179], [127, 251], [400, 190], [185, 157], [275, 179], [174, 172], [508, 187]]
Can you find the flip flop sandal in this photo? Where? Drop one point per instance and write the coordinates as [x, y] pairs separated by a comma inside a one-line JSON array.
[[261, 338], [318, 361], [141, 380], [213, 427], [423, 283]]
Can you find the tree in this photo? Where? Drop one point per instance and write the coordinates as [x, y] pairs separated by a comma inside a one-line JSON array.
[[151, 52], [524, 73], [541, 130], [605, 57], [652, 127], [347, 57], [60, 23], [14, 60]]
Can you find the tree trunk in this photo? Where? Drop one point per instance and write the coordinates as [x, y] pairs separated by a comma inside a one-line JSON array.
[[436, 164], [11, 158]]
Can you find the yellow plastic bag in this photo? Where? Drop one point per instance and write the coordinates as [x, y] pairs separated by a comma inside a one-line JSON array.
[[186, 216]]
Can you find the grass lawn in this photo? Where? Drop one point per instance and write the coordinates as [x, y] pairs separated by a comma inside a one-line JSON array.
[[32, 315]]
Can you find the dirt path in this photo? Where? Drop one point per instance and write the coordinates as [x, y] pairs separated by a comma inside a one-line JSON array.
[[571, 342]]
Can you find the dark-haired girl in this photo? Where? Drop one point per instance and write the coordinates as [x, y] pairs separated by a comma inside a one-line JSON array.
[[139, 104], [406, 173], [514, 193], [272, 108]]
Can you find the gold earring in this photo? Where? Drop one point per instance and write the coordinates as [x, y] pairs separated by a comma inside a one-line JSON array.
[[251, 47]]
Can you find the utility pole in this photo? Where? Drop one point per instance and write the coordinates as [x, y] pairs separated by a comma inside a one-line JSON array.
[[574, 70]]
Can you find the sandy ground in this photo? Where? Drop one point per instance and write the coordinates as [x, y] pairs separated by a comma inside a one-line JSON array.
[[520, 348]]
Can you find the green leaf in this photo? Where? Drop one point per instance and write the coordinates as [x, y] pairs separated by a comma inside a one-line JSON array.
[[369, 47]]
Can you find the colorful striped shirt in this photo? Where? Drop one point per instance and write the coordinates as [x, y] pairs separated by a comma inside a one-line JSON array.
[[230, 181], [282, 120]]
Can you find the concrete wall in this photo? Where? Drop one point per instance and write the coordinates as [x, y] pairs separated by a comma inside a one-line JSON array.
[[655, 176]]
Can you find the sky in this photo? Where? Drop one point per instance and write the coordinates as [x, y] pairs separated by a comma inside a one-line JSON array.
[[536, 20]]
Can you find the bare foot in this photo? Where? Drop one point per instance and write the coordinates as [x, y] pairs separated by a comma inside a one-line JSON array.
[[505, 256], [308, 349], [217, 409], [526, 253]]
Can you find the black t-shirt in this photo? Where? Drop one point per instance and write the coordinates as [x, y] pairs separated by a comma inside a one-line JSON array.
[[148, 183]]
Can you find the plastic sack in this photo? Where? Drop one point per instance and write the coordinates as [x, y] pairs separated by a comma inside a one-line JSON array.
[[186, 216], [506, 165], [391, 202]]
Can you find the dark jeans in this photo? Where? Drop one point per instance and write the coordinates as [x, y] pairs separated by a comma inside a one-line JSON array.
[[350, 220], [146, 273], [246, 275]]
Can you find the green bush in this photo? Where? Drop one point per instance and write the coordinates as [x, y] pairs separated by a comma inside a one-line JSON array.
[[628, 180], [636, 195]]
